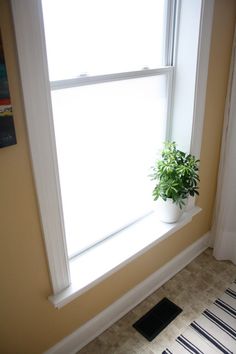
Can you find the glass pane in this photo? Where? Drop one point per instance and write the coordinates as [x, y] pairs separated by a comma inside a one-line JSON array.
[[105, 36], [107, 137]]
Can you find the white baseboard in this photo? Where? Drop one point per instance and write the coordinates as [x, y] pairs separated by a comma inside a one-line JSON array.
[[90, 330]]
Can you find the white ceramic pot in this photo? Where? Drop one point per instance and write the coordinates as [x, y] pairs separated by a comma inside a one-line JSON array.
[[168, 211]]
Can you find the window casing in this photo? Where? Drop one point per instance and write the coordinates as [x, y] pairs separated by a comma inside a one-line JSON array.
[[44, 155]]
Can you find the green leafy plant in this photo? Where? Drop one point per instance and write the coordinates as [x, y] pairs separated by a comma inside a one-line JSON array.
[[176, 174]]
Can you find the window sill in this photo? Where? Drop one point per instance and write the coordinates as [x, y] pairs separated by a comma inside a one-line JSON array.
[[101, 261]]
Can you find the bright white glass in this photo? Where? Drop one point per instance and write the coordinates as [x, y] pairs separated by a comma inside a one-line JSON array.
[[103, 36], [107, 136]]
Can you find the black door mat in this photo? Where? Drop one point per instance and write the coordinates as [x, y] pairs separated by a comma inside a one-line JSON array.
[[156, 319]]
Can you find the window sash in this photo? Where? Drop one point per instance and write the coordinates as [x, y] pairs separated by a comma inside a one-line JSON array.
[[70, 219], [167, 34]]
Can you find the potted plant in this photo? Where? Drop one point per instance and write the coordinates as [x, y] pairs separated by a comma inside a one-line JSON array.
[[176, 176]]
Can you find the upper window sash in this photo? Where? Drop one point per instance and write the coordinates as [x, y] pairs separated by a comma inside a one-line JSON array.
[[107, 37]]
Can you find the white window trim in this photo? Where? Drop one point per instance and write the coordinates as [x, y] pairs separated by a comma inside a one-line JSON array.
[[119, 250], [33, 62], [40, 124]]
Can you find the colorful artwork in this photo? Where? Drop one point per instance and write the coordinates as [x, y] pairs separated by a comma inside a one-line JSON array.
[[7, 130]]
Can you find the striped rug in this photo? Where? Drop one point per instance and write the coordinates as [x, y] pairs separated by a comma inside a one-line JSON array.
[[213, 332]]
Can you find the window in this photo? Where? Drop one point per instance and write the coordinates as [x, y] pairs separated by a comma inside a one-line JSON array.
[[138, 91], [110, 91]]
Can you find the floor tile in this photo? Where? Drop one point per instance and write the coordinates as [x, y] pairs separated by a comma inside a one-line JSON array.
[[193, 289]]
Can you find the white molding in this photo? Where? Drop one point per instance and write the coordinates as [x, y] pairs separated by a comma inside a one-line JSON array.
[[90, 330], [33, 63], [211, 239]]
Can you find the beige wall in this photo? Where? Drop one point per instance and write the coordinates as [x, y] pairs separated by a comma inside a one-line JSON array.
[[28, 322]]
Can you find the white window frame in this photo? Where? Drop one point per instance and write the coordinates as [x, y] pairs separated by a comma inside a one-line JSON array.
[[166, 70], [28, 22]]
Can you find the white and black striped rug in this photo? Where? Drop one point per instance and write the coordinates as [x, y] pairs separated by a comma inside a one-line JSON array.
[[213, 332]]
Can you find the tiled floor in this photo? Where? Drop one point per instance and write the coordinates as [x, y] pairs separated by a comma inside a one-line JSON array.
[[192, 289]]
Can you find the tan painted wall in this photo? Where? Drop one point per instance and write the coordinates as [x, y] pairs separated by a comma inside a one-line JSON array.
[[28, 322]]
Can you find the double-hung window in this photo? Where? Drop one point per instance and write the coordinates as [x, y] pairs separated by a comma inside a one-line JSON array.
[[110, 70], [105, 82]]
